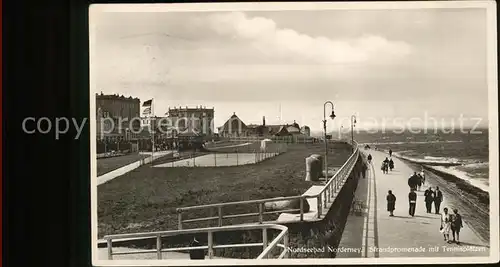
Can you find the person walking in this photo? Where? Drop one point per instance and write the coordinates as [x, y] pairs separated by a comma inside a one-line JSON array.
[[429, 198], [445, 225], [391, 164], [196, 254], [390, 152], [385, 165], [391, 203], [412, 199], [438, 198], [456, 225], [369, 158], [413, 181], [419, 181], [422, 174]]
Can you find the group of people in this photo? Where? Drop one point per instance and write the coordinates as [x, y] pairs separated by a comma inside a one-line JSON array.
[[435, 197], [387, 164], [449, 222], [417, 180]]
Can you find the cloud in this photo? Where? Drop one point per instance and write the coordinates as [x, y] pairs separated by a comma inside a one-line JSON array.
[[265, 35]]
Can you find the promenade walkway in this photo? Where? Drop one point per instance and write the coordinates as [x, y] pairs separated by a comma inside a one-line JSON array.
[[393, 236]]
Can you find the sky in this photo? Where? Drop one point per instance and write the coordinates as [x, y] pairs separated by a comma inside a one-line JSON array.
[[380, 65]]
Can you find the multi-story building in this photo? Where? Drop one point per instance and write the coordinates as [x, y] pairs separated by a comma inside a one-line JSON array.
[[117, 117], [164, 127], [198, 120]]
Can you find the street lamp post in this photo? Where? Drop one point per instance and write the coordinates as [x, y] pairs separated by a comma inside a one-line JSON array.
[[353, 122], [332, 116]]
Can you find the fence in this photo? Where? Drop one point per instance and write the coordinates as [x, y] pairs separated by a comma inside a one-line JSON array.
[[219, 159], [277, 139], [105, 147], [324, 197], [281, 139], [281, 240], [247, 147]]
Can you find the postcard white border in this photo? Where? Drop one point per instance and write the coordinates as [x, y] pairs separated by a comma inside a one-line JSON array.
[[490, 8]]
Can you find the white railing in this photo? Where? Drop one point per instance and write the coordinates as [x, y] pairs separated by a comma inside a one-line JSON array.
[[281, 240], [326, 196]]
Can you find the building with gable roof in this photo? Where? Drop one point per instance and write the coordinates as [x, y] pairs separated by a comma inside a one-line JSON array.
[[233, 127]]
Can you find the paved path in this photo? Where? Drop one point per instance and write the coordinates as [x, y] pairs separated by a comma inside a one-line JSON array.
[[130, 167], [375, 229]]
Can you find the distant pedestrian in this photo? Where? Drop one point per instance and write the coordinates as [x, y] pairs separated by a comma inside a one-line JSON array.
[[369, 158], [422, 174], [421, 179], [391, 203], [391, 164], [390, 152], [445, 225], [438, 198], [196, 254], [456, 225], [385, 165], [419, 182], [413, 181], [412, 199], [429, 198]]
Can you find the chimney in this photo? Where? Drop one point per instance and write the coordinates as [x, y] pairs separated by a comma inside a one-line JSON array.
[[263, 120]]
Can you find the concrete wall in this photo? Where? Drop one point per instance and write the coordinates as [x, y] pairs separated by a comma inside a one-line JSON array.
[[329, 230]]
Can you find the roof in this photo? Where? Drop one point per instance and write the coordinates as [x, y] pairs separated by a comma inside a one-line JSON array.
[[189, 134], [200, 108], [115, 96], [276, 129], [294, 124], [233, 122]]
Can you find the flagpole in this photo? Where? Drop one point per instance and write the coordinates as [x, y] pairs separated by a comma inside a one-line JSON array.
[[153, 133], [280, 114]]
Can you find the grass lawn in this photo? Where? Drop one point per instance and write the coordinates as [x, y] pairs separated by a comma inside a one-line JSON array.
[[106, 165], [146, 198]]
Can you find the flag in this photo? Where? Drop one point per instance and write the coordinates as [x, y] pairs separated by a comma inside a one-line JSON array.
[[147, 103], [146, 111]]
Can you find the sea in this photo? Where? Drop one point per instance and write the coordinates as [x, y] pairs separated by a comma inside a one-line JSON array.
[[461, 153]]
